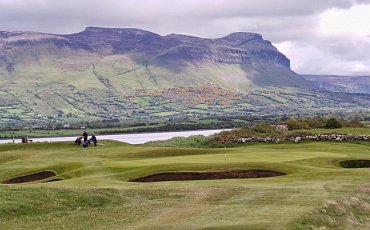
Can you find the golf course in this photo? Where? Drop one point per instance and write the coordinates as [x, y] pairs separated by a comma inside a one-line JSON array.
[[305, 185]]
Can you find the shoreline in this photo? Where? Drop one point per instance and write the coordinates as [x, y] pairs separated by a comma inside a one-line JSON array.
[[131, 138], [114, 133]]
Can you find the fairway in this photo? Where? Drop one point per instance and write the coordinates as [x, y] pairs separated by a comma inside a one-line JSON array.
[[91, 188]]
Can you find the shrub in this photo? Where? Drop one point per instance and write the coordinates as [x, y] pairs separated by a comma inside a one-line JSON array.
[[355, 124], [317, 122], [333, 123], [294, 124], [263, 127]]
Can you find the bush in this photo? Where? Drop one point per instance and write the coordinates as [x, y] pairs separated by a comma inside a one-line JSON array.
[[355, 124], [333, 123], [294, 124], [317, 122], [263, 127]]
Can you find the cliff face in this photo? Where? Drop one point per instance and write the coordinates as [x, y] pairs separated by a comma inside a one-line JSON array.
[[158, 56], [236, 48]]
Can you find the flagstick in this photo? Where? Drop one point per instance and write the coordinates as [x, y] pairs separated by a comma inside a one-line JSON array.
[[225, 154]]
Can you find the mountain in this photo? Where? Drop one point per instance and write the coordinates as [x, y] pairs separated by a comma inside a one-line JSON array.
[[335, 83], [126, 60], [128, 74]]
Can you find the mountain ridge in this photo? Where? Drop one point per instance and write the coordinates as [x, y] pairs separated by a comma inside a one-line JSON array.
[[112, 35], [250, 55], [125, 74]]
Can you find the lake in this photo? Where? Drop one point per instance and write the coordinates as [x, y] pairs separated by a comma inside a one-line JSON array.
[[137, 138]]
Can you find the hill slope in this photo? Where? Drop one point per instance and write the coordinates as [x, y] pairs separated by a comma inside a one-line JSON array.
[[336, 83]]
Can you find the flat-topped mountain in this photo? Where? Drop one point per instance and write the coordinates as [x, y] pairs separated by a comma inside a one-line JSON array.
[[130, 74], [127, 60]]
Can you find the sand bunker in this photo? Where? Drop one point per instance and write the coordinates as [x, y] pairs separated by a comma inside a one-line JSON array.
[[181, 176], [31, 177], [355, 164], [52, 180]]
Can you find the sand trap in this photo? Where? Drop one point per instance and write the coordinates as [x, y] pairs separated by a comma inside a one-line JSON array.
[[355, 164], [183, 176], [31, 177], [52, 180]]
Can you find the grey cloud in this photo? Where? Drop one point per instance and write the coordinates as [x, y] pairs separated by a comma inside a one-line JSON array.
[[330, 55], [277, 20], [54, 14]]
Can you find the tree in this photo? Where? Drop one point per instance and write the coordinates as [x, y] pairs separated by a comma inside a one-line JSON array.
[[333, 123]]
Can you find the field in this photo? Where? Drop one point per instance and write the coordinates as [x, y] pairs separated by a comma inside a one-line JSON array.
[[94, 192]]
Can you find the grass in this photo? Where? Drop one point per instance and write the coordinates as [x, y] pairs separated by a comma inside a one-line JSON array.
[[348, 212], [345, 130], [94, 193]]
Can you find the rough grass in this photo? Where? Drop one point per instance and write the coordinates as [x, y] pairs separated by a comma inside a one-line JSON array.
[[345, 130], [95, 194], [348, 212]]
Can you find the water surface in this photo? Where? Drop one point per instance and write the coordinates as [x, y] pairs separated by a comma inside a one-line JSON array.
[[137, 138]]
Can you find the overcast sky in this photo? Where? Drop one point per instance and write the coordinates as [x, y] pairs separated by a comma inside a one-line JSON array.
[[318, 36]]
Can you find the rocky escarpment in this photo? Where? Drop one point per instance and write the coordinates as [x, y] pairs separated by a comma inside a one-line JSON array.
[[236, 48], [196, 53]]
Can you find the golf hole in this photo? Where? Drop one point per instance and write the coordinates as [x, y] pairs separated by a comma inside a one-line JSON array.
[[355, 164], [217, 175], [31, 177]]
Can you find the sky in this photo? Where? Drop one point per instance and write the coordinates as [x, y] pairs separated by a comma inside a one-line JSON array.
[[318, 36]]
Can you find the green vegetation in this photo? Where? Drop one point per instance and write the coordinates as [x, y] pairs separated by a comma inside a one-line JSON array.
[[192, 141], [294, 124], [316, 193], [345, 130], [347, 212], [298, 128], [333, 123], [29, 106]]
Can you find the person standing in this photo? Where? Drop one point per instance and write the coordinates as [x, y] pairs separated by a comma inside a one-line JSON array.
[[84, 134], [93, 138]]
